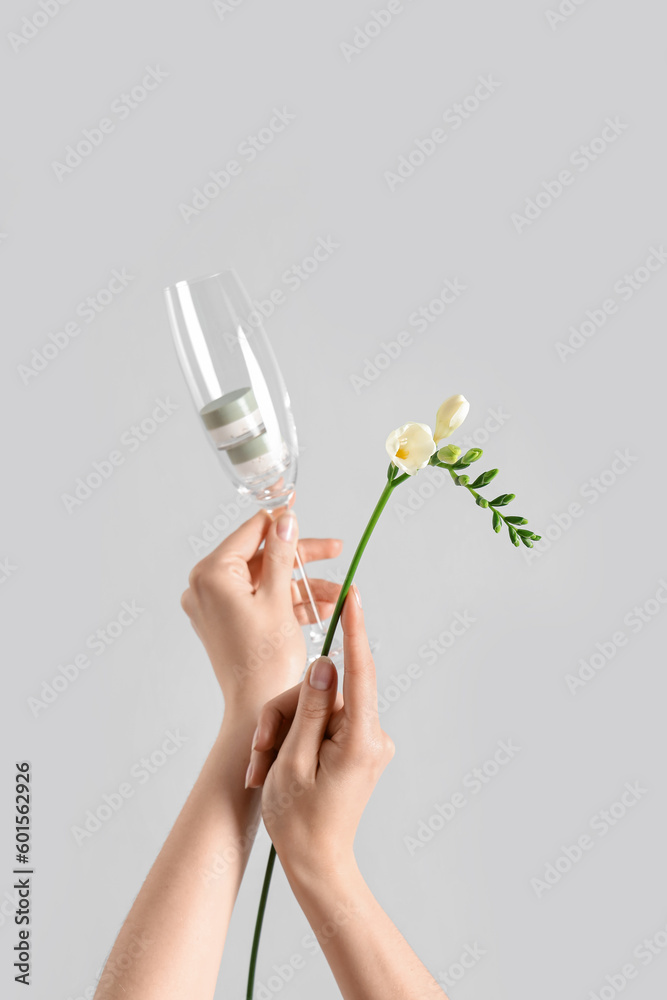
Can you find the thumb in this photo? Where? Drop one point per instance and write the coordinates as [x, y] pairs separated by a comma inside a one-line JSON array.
[[279, 554], [316, 702]]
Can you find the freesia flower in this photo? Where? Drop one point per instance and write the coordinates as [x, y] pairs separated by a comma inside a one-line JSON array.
[[450, 416], [410, 447]]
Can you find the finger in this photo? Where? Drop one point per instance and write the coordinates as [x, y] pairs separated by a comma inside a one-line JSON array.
[[272, 727], [245, 541], [312, 549], [359, 681], [324, 590], [276, 712], [316, 703], [279, 554], [325, 594]]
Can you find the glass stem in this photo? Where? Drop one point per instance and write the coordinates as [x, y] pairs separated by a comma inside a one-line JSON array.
[[306, 584], [356, 559]]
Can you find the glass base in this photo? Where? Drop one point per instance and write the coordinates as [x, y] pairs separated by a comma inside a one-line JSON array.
[[270, 497], [315, 641]]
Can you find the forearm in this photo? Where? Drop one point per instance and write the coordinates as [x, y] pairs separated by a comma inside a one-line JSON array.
[[367, 954], [171, 943]]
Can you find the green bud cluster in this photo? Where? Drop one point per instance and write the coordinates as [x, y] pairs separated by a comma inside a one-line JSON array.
[[518, 535]]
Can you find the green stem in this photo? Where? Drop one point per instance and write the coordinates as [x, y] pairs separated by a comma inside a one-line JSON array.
[[258, 923], [392, 483], [356, 559], [474, 493]]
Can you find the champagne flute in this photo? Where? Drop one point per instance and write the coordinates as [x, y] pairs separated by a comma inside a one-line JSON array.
[[240, 395]]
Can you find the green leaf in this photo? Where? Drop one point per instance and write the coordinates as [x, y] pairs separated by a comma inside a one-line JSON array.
[[497, 521], [473, 455], [502, 500], [482, 502], [462, 480], [485, 479], [527, 542], [517, 520], [513, 535]]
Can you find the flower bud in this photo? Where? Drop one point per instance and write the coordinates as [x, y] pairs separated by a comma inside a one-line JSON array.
[[449, 454], [473, 455], [451, 415], [462, 480]]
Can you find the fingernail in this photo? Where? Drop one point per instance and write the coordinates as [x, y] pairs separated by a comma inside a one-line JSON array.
[[255, 737], [285, 526], [357, 594], [248, 775], [322, 674]]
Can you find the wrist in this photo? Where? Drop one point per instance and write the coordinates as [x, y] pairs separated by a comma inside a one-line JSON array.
[[310, 872], [231, 752], [330, 894], [237, 724], [245, 703], [241, 710]]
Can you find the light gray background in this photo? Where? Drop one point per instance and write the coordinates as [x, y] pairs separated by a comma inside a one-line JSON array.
[[505, 678]]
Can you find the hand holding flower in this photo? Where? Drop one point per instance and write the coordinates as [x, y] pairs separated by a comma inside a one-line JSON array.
[[322, 753]]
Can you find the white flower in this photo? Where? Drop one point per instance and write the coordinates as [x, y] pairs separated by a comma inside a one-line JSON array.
[[410, 447], [450, 416]]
